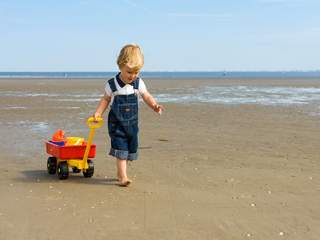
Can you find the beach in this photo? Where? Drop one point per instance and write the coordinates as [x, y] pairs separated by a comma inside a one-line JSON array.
[[207, 169]]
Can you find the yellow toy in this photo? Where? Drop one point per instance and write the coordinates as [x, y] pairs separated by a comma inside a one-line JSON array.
[[73, 156]]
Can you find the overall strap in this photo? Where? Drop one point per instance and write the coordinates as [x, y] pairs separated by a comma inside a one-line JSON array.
[[112, 84], [136, 84]]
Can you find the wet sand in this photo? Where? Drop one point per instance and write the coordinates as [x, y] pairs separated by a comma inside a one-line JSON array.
[[206, 171]]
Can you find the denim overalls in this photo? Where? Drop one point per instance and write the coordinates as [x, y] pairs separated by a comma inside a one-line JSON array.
[[123, 123]]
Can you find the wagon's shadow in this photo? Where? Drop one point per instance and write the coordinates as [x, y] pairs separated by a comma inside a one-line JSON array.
[[42, 176]]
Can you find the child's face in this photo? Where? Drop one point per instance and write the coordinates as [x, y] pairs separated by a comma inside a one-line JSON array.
[[128, 75]]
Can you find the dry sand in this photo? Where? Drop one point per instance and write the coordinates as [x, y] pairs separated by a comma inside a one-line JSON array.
[[206, 171]]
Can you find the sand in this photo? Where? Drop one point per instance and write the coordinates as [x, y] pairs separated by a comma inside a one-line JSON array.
[[206, 171]]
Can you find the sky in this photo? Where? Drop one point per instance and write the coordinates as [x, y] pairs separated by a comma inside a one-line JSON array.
[[175, 35]]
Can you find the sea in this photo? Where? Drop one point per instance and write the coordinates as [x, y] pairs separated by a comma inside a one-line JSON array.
[[169, 74]]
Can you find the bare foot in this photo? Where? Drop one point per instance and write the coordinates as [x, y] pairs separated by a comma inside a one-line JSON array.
[[124, 182]]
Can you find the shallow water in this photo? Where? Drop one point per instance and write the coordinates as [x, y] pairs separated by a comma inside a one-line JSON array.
[[243, 95], [273, 95]]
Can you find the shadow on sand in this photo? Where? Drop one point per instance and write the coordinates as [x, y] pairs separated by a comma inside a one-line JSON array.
[[42, 176]]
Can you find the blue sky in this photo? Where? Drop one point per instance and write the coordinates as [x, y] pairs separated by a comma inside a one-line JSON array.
[[86, 35]]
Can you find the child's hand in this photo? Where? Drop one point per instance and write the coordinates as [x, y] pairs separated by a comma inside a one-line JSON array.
[[96, 116], [158, 108]]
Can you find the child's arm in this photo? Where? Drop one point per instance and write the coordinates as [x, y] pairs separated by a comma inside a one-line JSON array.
[[151, 102], [102, 106]]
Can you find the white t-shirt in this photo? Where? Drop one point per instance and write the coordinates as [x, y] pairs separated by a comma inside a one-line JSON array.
[[125, 90]]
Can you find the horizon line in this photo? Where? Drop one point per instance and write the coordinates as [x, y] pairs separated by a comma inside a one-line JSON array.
[[152, 71]]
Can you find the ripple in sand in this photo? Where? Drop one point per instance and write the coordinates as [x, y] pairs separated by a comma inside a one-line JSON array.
[[145, 147], [163, 140]]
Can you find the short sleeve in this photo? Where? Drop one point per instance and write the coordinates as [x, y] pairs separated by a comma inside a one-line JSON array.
[[142, 87], [108, 90]]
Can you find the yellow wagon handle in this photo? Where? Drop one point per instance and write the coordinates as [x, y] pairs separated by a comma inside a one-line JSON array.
[[94, 123]]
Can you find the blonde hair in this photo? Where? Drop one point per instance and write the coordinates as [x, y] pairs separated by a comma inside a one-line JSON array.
[[131, 56]]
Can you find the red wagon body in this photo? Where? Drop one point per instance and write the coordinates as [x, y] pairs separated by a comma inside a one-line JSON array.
[[69, 152]]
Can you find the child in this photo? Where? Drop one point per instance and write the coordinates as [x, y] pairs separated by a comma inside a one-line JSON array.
[[121, 92]]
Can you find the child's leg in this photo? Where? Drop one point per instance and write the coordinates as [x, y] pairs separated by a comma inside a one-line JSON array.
[[122, 168], [122, 172]]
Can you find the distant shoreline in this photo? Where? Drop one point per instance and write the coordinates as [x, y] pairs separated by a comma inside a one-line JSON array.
[[164, 75]]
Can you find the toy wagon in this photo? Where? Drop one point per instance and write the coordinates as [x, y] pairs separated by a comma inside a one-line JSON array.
[[76, 157]]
